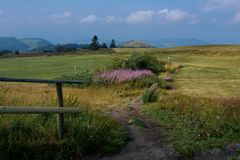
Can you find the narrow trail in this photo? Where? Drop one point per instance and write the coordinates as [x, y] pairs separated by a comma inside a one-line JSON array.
[[146, 143]]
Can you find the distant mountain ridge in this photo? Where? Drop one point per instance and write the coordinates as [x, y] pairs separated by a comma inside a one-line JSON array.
[[175, 42], [26, 44]]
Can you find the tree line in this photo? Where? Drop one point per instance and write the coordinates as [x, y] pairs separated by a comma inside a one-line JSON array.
[[94, 45]]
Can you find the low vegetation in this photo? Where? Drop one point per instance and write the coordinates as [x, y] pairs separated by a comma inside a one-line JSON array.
[[138, 61], [191, 124], [35, 137], [151, 94], [202, 112]]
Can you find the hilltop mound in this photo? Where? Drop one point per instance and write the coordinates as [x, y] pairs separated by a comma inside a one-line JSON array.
[[34, 43], [136, 44]]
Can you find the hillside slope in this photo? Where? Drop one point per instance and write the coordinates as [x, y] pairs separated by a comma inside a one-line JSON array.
[[11, 43], [34, 43]]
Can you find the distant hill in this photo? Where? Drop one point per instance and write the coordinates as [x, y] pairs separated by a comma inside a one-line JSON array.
[[35, 43], [136, 44], [170, 43], [27, 44], [12, 44]]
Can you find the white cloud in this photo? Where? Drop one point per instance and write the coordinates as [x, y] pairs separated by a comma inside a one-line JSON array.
[[153, 16], [174, 15], [236, 18], [222, 5], [113, 19], [141, 17], [61, 18], [89, 19]]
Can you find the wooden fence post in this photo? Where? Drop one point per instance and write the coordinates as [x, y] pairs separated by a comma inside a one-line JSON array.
[[60, 117]]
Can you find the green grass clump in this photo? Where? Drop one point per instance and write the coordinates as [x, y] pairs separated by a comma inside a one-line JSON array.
[[137, 122], [192, 124], [151, 94]]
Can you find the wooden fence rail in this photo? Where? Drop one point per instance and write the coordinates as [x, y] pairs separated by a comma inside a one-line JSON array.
[[60, 110], [38, 110]]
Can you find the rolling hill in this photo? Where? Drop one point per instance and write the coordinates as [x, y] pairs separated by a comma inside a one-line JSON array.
[[34, 43], [11, 44], [136, 44], [27, 44]]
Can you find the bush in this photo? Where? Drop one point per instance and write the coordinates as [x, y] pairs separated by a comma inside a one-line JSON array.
[[138, 62], [84, 77], [151, 94]]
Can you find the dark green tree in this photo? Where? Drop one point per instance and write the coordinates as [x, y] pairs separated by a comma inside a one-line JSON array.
[[95, 44], [113, 44], [17, 52], [104, 45]]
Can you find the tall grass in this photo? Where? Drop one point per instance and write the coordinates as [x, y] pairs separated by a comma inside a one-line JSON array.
[[192, 124], [35, 136]]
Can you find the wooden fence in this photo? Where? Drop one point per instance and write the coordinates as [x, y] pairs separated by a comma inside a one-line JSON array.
[[60, 110]]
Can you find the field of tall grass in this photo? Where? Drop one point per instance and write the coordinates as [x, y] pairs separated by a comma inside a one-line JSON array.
[[191, 123], [35, 136]]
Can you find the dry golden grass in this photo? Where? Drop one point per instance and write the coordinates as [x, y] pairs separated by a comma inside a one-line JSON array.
[[22, 94]]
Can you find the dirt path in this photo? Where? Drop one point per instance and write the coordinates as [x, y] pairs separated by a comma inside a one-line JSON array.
[[146, 143]]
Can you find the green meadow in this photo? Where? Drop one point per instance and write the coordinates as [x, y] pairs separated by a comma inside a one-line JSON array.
[[49, 67], [212, 70]]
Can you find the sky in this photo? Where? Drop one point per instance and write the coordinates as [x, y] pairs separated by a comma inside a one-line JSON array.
[[62, 21]]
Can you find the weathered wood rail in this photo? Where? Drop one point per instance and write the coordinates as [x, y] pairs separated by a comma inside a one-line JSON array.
[[60, 110]]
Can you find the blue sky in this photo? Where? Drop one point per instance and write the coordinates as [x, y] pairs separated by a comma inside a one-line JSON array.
[[77, 20]]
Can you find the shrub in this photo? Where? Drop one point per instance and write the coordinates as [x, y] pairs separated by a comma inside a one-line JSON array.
[[84, 77], [151, 94], [138, 62]]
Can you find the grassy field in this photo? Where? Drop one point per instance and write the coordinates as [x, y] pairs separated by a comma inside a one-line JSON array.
[[192, 123], [49, 67], [213, 70], [209, 70], [201, 113]]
